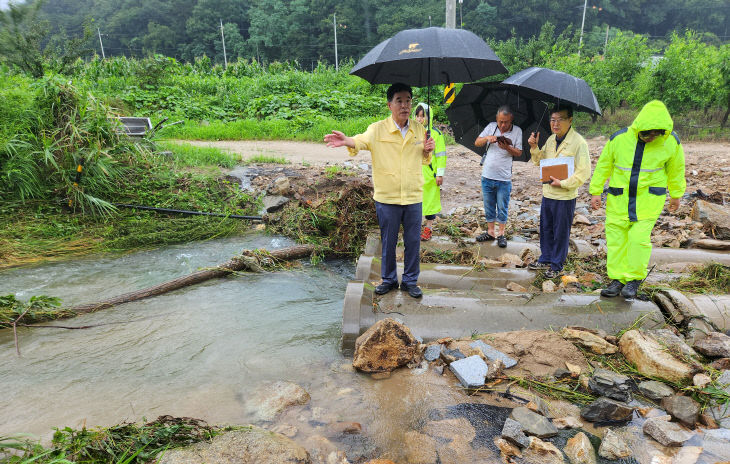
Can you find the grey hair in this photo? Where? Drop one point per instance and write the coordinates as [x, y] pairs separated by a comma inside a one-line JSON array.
[[506, 110]]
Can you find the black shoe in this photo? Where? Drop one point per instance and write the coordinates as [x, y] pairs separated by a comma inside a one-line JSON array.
[[550, 274], [630, 289], [412, 289], [538, 266], [484, 237], [502, 241], [613, 289], [385, 287]]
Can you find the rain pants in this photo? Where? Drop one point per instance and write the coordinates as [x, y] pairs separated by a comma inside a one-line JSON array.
[[431, 191], [640, 175]]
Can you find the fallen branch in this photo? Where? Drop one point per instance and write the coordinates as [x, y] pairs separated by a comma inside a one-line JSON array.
[[244, 262]]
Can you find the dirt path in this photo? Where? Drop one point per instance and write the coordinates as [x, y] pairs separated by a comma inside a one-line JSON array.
[[708, 166]]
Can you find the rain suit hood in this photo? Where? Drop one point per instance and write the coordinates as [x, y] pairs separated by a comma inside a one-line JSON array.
[[654, 115], [426, 110]]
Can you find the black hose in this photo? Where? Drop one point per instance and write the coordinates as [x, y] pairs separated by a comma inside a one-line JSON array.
[[191, 213]]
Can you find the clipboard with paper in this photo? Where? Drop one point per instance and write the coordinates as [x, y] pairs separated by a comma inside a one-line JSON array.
[[560, 168]]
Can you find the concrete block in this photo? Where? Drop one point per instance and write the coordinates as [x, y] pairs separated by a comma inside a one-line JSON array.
[[470, 371]]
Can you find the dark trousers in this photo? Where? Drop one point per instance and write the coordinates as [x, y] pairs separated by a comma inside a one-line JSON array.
[[390, 218], [556, 219]]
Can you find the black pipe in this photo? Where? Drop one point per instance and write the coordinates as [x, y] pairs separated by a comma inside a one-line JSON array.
[[192, 213]]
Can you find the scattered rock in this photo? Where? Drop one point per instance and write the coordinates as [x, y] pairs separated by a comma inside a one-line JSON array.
[[450, 356], [665, 432], [568, 422], [715, 345], [419, 448], [470, 371], [715, 218], [721, 364], [651, 359], [281, 185], [589, 279], [682, 408], [688, 455], [510, 260], [580, 219], [574, 369], [592, 342], [251, 444], [655, 390], [492, 354], [673, 342], [579, 450], [515, 287], [701, 380], [549, 286], [384, 346], [533, 423], [561, 373], [542, 452], [512, 431], [567, 280], [507, 448], [432, 352], [266, 402], [710, 244], [707, 421], [613, 446], [610, 384], [274, 202], [607, 410], [494, 369]]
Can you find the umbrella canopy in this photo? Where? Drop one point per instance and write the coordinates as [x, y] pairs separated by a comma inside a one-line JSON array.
[[424, 57], [476, 106], [555, 87]]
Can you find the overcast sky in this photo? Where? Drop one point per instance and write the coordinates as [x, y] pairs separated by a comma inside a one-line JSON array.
[[4, 3]]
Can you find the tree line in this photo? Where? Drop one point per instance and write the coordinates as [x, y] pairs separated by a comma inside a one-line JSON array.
[[303, 30]]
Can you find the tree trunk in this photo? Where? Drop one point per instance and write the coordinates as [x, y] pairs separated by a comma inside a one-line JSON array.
[[239, 263]]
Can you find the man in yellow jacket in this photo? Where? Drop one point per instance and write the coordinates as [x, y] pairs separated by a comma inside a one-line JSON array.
[[399, 147], [558, 197], [641, 161]]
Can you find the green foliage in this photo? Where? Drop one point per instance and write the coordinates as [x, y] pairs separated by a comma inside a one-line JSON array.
[[184, 154], [264, 159], [38, 309]]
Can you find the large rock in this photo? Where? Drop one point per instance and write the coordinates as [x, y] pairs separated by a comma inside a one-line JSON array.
[[542, 452], [252, 444], [651, 359], [384, 346], [665, 432], [579, 450], [683, 408], [590, 341], [470, 371], [274, 202], [715, 345], [266, 402], [610, 384], [533, 423], [715, 219], [655, 390], [607, 410], [613, 446], [512, 431]]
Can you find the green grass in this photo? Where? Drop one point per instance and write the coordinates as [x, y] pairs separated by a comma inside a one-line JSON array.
[[265, 159], [190, 155], [268, 129]]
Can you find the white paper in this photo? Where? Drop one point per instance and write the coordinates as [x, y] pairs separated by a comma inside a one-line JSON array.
[[569, 160]]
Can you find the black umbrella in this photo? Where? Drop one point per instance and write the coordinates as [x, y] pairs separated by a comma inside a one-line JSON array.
[[424, 57], [555, 87], [476, 106]]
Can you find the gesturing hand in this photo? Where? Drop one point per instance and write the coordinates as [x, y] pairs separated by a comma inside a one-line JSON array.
[[335, 139]]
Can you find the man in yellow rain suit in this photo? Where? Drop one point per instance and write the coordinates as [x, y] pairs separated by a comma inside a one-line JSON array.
[[642, 161], [433, 174]]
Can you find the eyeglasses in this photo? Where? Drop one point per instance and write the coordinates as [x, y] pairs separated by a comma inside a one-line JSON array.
[[558, 120], [403, 103], [652, 133]]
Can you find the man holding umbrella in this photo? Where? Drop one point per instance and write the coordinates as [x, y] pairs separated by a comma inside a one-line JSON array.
[[641, 161], [399, 146], [558, 197]]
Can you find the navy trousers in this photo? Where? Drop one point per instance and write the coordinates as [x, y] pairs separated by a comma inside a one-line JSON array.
[[556, 219], [390, 218]]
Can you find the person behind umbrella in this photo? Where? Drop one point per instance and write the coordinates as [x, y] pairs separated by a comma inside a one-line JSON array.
[[558, 196], [497, 171], [433, 174], [399, 147], [641, 161]]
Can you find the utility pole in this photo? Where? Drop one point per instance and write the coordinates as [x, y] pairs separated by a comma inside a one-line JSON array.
[[223, 39], [582, 24], [605, 44], [450, 14], [334, 21], [429, 20], [461, 18], [101, 44]]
